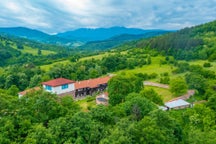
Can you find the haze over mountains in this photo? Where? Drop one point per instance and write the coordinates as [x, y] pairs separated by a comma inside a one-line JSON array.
[[81, 36]]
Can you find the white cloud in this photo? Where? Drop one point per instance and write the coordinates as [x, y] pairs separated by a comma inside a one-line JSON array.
[[59, 15]]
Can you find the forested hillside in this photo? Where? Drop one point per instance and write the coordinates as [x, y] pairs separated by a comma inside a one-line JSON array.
[[189, 43], [36, 35], [15, 50], [119, 39]]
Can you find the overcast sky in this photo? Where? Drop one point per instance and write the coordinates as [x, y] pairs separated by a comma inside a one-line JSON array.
[[53, 16]]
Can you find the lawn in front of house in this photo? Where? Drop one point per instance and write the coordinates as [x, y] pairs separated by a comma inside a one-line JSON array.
[[87, 103]]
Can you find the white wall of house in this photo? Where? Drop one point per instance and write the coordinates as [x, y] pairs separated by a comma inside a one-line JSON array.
[[20, 95], [59, 90]]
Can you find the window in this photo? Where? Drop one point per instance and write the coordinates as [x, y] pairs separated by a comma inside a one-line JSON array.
[[65, 86], [48, 87]]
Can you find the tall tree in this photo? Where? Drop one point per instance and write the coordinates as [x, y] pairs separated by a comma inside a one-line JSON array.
[[178, 86]]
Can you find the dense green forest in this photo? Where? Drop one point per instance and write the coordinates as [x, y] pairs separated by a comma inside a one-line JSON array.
[[197, 42], [185, 57]]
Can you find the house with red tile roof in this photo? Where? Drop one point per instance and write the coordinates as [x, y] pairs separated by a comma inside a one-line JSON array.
[[62, 86], [59, 86], [89, 87]]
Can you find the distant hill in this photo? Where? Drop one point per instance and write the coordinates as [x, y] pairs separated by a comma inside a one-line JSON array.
[[119, 39], [82, 36], [98, 34], [15, 50], [35, 35]]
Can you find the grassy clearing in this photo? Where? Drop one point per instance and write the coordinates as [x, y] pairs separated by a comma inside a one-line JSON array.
[[100, 56], [35, 51], [87, 103], [201, 62], [154, 67], [1, 70], [47, 67], [165, 93]]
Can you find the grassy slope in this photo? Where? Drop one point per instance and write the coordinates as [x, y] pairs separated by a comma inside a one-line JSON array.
[[201, 62], [28, 49], [35, 51], [164, 93], [154, 67]]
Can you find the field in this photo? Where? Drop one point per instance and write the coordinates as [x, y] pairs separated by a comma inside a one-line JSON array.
[[1, 70], [35, 51], [154, 67], [201, 62], [47, 67], [164, 93]]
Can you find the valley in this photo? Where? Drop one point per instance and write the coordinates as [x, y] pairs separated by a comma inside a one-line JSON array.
[[184, 60]]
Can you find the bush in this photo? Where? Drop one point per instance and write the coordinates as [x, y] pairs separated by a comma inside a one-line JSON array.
[[207, 64]]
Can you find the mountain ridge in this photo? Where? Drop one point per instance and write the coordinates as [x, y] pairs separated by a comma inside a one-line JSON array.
[[75, 37], [97, 34]]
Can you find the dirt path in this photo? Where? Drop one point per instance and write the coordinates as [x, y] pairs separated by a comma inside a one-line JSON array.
[[184, 97], [148, 83]]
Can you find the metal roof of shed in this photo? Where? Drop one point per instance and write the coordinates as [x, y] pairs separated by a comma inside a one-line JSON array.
[[176, 103]]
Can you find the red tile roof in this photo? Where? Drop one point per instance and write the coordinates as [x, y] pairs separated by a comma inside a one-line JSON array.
[[29, 90], [91, 83], [58, 82]]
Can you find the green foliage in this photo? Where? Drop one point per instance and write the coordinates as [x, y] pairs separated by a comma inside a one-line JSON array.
[[77, 128], [159, 127], [39, 135], [132, 116], [13, 90], [207, 64], [196, 81], [152, 96], [120, 134], [138, 106], [212, 102], [164, 79], [120, 86], [102, 114], [39, 52], [21, 76], [178, 86], [182, 67]]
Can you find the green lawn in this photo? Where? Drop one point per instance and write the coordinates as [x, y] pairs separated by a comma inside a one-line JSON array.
[[87, 103], [35, 51], [201, 62], [100, 56], [154, 67], [165, 93], [47, 67], [1, 70]]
